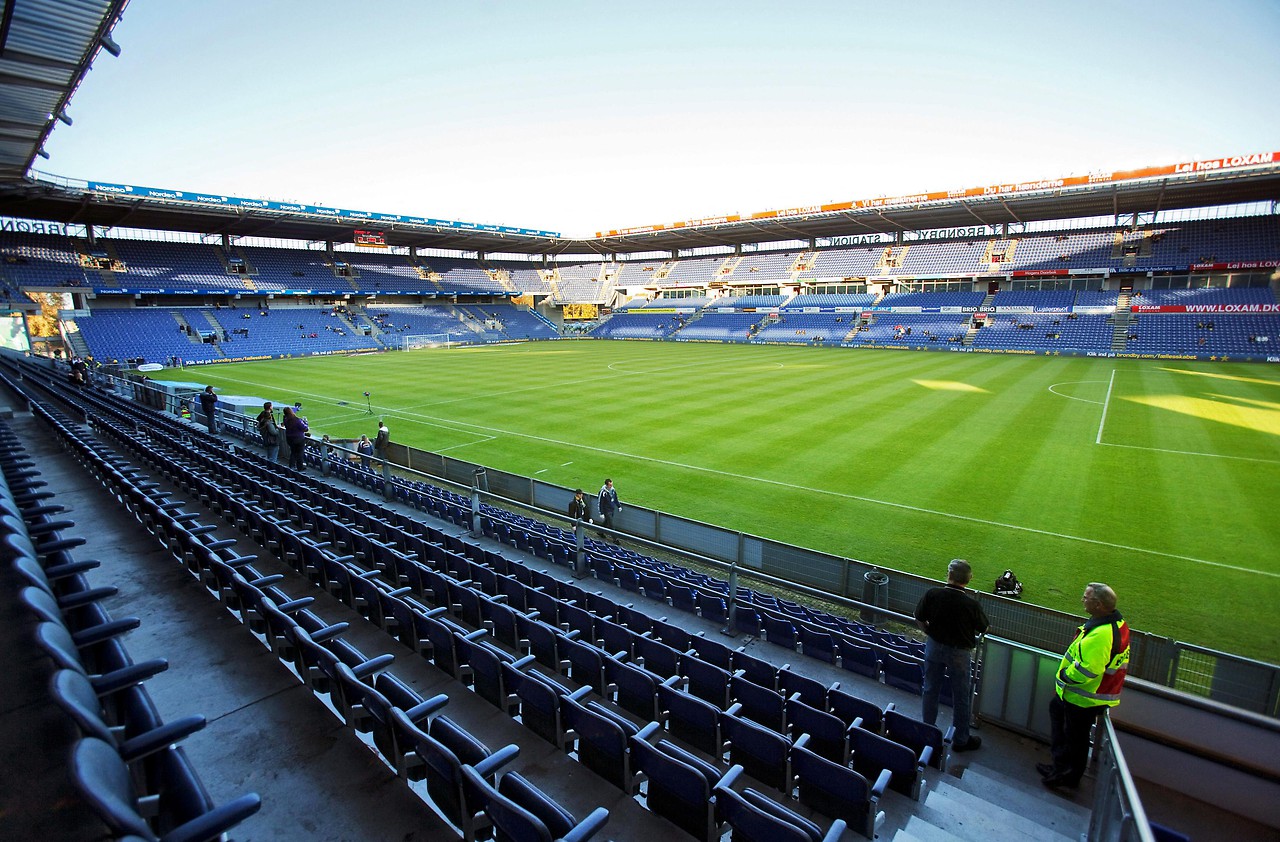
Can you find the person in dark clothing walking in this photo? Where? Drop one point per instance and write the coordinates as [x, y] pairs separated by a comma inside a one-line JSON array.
[[953, 620], [607, 504], [579, 507]]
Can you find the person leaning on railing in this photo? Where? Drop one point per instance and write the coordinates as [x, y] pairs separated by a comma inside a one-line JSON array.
[[1089, 681]]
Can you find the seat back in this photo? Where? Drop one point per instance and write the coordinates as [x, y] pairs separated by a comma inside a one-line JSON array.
[[600, 741], [691, 719], [850, 708], [917, 736], [764, 754], [675, 790], [758, 703], [833, 789], [751, 823], [872, 753], [827, 732]]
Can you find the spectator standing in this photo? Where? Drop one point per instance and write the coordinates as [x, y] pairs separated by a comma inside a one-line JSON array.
[[579, 507], [381, 440], [295, 433], [365, 448], [209, 406], [608, 505], [1089, 681], [269, 429], [952, 621]]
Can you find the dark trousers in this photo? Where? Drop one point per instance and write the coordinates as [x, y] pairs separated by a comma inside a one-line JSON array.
[[1070, 726]]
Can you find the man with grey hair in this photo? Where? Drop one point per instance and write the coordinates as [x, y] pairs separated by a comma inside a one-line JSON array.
[[1090, 678], [952, 621]]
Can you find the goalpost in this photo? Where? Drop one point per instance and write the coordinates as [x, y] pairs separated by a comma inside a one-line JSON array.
[[425, 340]]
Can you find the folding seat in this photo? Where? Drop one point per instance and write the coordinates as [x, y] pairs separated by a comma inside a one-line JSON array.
[[904, 673], [88, 627], [858, 658], [539, 697], [763, 751], [547, 605], [652, 587], [781, 631], [927, 741], [580, 620], [679, 786], [600, 739], [688, 718], [586, 663], [545, 642], [873, 754], [853, 710], [443, 634], [519, 811], [706, 680], [681, 597], [656, 657], [811, 691], [103, 778], [711, 607], [111, 669], [629, 579], [748, 620], [714, 652], [615, 638], [755, 670], [674, 636], [502, 621], [638, 621], [754, 817], [388, 699], [480, 667], [633, 688], [133, 740], [817, 643], [445, 749], [514, 591]]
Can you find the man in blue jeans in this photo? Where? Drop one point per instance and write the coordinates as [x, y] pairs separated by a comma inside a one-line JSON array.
[[953, 620]]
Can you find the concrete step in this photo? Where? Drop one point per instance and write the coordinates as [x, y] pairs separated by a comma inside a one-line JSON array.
[[979, 818], [961, 815], [919, 830], [905, 836], [1026, 797]]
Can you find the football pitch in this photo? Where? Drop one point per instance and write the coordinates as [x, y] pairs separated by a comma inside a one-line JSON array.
[[1160, 478]]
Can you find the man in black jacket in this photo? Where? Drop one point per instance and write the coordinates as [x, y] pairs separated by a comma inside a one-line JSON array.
[[953, 620]]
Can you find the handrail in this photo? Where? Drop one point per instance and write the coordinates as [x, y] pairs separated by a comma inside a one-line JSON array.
[[1117, 815]]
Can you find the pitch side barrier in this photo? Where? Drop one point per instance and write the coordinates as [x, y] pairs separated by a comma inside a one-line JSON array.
[[1229, 679]]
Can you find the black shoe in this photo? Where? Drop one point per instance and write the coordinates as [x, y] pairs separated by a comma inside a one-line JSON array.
[[1046, 770], [1060, 782], [974, 742]]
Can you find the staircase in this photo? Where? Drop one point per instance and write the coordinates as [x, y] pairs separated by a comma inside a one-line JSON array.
[[193, 335], [1120, 336], [804, 263], [892, 258], [75, 340], [985, 805], [726, 268], [998, 253]]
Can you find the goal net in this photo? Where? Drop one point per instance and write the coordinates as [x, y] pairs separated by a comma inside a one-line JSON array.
[[425, 340]]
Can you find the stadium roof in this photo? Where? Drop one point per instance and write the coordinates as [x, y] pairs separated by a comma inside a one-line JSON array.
[[47, 46]]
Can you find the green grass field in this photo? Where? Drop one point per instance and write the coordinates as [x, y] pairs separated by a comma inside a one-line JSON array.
[[1160, 478]]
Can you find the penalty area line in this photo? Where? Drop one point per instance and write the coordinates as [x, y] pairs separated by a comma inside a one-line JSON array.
[[1106, 404]]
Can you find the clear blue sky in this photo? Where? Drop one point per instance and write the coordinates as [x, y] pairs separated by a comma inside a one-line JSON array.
[[580, 116]]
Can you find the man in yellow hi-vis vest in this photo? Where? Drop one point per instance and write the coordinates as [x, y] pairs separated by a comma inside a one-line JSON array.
[[1089, 680]]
